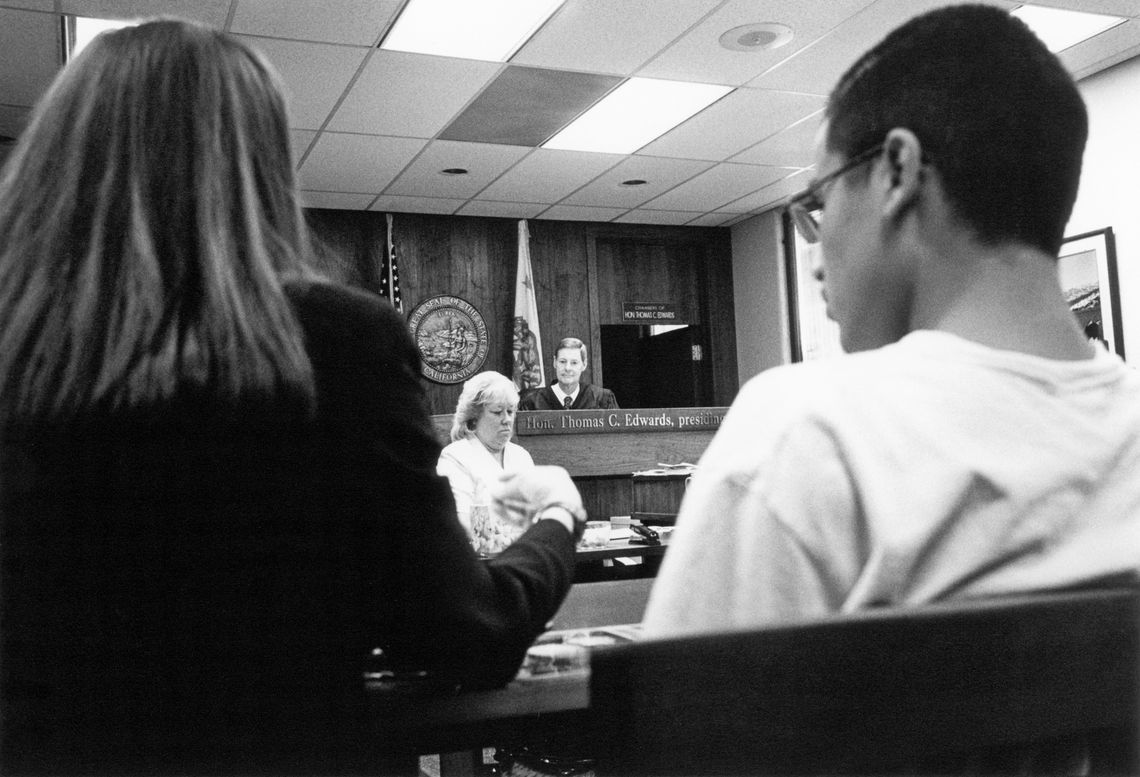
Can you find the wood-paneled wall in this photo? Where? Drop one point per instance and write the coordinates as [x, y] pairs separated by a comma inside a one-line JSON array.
[[582, 272]]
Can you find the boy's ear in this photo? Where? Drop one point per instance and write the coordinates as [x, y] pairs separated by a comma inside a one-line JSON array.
[[902, 158]]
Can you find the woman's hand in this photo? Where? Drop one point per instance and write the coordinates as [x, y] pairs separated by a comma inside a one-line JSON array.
[[522, 497]]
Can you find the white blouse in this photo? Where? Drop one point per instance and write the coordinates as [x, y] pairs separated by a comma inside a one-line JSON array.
[[472, 470]]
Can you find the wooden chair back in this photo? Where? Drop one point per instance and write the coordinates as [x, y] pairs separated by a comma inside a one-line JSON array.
[[1010, 684]]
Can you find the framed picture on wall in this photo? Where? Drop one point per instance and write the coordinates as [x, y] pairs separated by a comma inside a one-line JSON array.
[[813, 334], [1087, 268]]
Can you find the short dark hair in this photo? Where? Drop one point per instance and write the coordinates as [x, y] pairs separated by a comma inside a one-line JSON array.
[[996, 112]]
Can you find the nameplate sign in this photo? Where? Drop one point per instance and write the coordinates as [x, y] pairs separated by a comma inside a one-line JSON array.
[[649, 313], [688, 419]]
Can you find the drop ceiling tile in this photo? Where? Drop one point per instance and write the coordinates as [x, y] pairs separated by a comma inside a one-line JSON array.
[[765, 199], [580, 213], [770, 196], [826, 60], [356, 163], [713, 188], [507, 210], [607, 37], [30, 5], [335, 200], [739, 219], [717, 219], [819, 66], [526, 106], [698, 56], [357, 22], [315, 74], [792, 147], [643, 216], [484, 163], [211, 12], [29, 55], [1111, 7], [301, 140], [389, 88], [659, 173], [548, 175], [733, 123], [1103, 51], [410, 94], [391, 202]]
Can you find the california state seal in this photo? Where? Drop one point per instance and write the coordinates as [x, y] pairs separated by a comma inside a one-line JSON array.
[[451, 337]]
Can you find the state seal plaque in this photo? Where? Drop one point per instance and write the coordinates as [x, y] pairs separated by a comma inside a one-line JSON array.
[[451, 337]]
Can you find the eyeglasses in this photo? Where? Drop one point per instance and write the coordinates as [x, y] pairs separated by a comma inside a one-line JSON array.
[[804, 207]]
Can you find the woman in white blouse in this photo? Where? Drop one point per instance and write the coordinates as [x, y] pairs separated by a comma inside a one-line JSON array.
[[480, 453]]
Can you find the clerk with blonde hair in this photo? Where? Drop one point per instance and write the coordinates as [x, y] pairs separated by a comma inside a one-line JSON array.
[[481, 451]]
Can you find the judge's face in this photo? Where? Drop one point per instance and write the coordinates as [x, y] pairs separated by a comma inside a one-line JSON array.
[[496, 424], [569, 366]]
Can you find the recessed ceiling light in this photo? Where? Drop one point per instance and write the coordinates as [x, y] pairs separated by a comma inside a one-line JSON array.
[[1059, 29], [635, 113], [455, 171], [489, 30], [83, 29], [634, 182], [763, 36]]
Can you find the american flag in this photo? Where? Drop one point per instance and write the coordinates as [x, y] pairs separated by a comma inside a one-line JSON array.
[[390, 273]]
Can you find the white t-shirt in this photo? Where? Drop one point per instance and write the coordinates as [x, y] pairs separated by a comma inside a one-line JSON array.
[[932, 468]]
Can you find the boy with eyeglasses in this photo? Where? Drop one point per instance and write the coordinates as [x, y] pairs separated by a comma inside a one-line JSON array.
[[971, 442]]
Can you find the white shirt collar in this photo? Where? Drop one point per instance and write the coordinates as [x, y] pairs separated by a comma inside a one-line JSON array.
[[558, 392]]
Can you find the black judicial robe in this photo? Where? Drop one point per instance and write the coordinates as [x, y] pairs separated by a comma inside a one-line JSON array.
[[590, 397]]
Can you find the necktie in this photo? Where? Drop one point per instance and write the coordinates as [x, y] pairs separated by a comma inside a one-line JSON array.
[[567, 402]]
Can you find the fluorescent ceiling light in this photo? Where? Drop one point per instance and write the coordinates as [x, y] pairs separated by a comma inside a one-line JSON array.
[[635, 113], [87, 28], [1059, 29], [489, 30]]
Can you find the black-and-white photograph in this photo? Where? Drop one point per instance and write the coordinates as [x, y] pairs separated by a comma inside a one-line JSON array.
[[1087, 269], [569, 388]]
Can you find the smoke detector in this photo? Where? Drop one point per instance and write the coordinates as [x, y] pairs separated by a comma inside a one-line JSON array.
[[763, 36]]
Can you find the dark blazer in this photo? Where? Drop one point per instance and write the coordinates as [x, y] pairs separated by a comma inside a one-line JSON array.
[[196, 586], [590, 397]]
